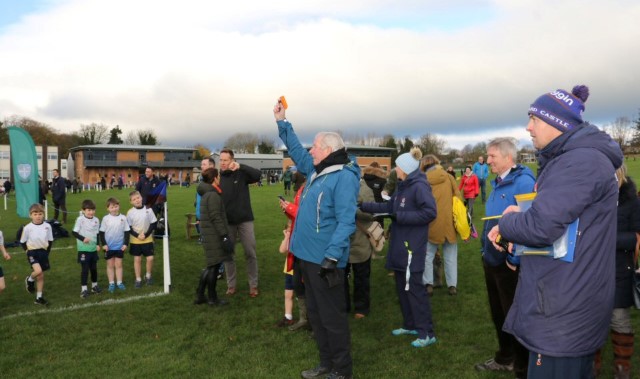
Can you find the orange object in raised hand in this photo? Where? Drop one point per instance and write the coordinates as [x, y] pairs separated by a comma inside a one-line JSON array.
[[283, 101]]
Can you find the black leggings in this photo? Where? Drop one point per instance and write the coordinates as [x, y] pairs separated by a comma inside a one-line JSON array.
[[84, 275]]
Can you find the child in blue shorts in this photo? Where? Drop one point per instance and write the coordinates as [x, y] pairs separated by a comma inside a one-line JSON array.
[[37, 239], [6, 258], [114, 234], [86, 230]]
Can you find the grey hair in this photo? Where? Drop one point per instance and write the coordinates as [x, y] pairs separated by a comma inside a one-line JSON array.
[[331, 139], [506, 146]]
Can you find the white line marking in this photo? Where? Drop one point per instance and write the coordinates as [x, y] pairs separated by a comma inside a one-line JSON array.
[[83, 306]]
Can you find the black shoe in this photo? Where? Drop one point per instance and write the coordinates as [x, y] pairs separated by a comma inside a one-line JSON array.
[[316, 372], [337, 375], [200, 300], [41, 301]]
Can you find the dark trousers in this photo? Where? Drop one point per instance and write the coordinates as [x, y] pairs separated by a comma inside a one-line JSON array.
[[328, 318], [86, 268], [483, 186], [58, 207], [414, 304], [546, 367], [501, 288], [361, 272], [298, 283]]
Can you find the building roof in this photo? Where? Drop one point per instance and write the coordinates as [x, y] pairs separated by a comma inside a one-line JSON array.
[[131, 147]]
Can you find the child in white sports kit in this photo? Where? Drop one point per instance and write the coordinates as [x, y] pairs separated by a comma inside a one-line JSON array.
[[37, 239], [86, 231], [6, 258], [143, 222], [114, 234]]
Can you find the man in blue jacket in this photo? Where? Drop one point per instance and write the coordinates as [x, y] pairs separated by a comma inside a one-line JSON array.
[[562, 310], [500, 269], [482, 172], [320, 241]]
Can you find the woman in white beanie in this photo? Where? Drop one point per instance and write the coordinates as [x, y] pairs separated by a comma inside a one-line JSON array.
[[411, 209]]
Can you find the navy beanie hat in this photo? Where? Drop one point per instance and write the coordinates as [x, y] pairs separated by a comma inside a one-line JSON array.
[[561, 109]]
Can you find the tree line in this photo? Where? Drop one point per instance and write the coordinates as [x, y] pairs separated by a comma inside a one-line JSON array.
[[89, 134]]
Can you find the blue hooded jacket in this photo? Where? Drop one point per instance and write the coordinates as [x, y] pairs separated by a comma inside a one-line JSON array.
[[414, 207], [327, 211], [518, 181], [563, 309]]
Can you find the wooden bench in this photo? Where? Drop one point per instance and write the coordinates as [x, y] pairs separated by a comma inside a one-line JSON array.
[[191, 224]]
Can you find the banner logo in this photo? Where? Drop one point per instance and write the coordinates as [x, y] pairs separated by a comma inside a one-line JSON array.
[[24, 171]]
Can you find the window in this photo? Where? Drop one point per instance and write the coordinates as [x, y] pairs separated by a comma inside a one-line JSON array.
[[52, 156], [5, 155], [39, 155]]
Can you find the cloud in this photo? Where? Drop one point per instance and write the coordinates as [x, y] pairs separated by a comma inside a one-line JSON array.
[[197, 71]]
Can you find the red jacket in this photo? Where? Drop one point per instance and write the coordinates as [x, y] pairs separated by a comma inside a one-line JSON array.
[[469, 186]]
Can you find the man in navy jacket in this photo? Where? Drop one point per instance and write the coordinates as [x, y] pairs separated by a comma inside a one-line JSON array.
[[561, 311]]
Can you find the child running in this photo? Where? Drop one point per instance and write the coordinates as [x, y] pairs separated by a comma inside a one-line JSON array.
[[37, 239], [86, 232], [114, 234], [143, 222]]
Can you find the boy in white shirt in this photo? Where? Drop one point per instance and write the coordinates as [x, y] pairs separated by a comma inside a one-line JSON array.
[[86, 231], [114, 234], [143, 222], [37, 239]]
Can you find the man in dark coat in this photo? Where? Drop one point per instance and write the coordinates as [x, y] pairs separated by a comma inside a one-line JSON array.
[[234, 181], [59, 194], [146, 183], [562, 310]]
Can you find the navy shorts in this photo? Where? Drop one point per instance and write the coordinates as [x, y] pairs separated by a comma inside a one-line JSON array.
[[87, 257], [40, 256], [138, 249], [288, 281], [113, 254], [1, 273]]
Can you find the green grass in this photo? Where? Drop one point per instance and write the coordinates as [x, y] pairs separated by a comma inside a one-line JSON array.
[[168, 336]]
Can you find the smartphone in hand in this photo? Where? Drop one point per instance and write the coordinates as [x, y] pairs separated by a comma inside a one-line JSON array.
[[282, 198]]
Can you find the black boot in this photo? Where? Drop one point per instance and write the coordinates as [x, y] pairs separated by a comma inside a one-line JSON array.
[[200, 299], [212, 280]]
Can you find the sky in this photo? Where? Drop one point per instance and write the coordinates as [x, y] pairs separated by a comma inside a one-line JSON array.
[[198, 71]]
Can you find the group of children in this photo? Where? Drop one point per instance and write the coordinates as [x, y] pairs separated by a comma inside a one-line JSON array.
[[113, 235]]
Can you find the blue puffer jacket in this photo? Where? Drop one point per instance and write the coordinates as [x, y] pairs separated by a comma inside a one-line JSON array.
[[414, 207], [519, 180], [327, 212], [563, 309]]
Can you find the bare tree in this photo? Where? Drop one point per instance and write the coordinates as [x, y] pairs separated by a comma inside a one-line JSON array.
[[621, 130], [93, 134], [242, 142], [431, 144], [131, 138]]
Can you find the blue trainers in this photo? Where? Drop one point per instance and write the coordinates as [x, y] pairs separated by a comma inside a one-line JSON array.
[[112, 287], [402, 332], [424, 342], [121, 287]]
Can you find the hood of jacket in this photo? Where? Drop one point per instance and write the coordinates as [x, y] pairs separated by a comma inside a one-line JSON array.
[[374, 172], [584, 136]]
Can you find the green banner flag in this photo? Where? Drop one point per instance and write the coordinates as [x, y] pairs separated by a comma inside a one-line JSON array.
[[25, 169]]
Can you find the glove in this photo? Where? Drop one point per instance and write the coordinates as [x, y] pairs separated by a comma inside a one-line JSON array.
[[227, 246], [329, 272]]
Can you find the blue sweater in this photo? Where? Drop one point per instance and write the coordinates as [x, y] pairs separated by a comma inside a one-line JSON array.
[[563, 309], [327, 211]]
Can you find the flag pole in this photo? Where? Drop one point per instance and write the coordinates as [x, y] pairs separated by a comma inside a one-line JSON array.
[[165, 252]]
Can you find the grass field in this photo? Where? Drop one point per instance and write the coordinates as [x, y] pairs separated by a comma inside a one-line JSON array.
[[145, 333]]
